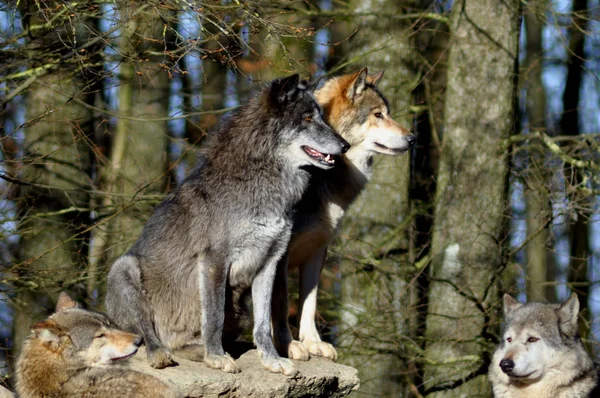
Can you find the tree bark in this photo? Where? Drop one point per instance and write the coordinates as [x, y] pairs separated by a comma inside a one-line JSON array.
[[375, 291], [569, 125], [471, 196], [57, 161], [136, 173], [540, 261]]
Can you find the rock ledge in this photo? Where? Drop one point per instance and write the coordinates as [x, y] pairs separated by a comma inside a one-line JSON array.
[[317, 378]]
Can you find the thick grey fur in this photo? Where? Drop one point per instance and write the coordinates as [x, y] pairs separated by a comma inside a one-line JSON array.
[[228, 224]]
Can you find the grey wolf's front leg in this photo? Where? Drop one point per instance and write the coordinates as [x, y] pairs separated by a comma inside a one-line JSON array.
[[284, 343], [262, 290], [212, 276], [310, 272], [129, 307]]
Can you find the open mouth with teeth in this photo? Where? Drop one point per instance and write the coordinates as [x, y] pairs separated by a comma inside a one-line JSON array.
[[325, 159]]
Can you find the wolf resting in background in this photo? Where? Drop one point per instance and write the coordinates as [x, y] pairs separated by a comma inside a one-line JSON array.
[[224, 229], [78, 353], [358, 111], [541, 354]]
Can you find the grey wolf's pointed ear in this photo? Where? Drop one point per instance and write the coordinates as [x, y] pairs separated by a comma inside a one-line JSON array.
[[285, 88], [568, 312], [376, 78], [510, 304], [358, 84], [65, 302]]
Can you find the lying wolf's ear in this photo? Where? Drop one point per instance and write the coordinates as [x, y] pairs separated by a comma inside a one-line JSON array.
[[65, 302], [358, 84], [285, 88], [568, 312], [49, 333], [376, 78], [510, 304]]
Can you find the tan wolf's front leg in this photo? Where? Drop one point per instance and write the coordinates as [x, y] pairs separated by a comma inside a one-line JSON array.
[[285, 345], [310, 272]]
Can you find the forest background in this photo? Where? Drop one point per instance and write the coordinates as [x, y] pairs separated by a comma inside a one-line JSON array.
[[104, 105]]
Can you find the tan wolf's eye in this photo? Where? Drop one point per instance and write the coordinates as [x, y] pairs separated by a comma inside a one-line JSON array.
[[532, 339], [509, 339], [308, 118], [378, 115], [99, 336]]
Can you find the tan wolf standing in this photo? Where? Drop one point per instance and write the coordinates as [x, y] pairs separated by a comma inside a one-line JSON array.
[[541, 354], [77, 353], [358, 111]]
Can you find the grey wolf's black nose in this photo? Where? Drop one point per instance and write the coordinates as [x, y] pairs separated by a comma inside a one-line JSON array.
[[507, 365], [138, 341], [411, 138], [345, 146]]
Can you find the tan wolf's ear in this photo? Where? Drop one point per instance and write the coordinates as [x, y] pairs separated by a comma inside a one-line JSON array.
[[568, 312], [65, 302], [358, 84], [376, 78], [49, 333], [510, 304]]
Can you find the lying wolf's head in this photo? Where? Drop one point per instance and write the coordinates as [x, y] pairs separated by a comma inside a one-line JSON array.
[[81, 337], [357, 110], [540, 345], [304, 135]]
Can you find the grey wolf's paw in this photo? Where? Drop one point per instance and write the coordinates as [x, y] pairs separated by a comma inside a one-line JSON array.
[[223, 362], [160, 358], [296, 350], [320, 349], [280, 365]]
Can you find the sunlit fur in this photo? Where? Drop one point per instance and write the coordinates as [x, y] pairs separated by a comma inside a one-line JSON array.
[[542, 346], [77, 353], [355, 107], [225, 228]]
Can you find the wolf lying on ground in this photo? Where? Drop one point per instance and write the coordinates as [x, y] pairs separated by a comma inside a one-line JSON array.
[[359, 112], [79, 353], [541, 354], [227, 226]]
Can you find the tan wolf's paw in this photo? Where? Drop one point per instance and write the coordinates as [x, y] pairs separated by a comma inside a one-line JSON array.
[[224, 362], [160, 358], [280, 365], [296, 350], [320, 349]]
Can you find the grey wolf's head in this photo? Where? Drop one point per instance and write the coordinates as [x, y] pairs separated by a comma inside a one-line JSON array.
[[305, 137], [356, 109], [538, 339], [83, 337]]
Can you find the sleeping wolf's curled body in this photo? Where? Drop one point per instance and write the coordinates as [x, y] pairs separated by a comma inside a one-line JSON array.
[[77, 353], [228, 224], [541, 354]]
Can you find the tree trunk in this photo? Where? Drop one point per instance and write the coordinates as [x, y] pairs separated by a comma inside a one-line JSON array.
[[375, 296], [569, 124], [136, 172], [57, 161], [471, 195], [540, 261]]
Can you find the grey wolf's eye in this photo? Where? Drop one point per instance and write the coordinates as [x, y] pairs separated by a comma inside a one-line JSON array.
[[532, 339], [308, 118], [378, 115], [509, 339]]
